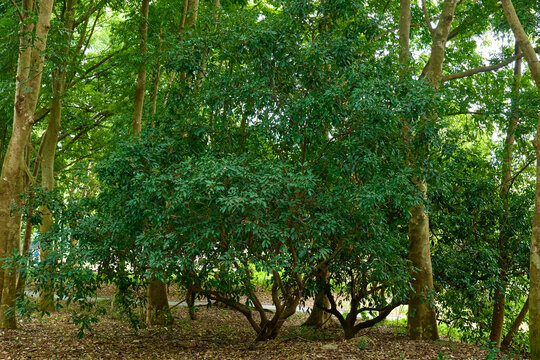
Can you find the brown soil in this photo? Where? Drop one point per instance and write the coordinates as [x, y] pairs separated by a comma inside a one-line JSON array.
[[217, 334]]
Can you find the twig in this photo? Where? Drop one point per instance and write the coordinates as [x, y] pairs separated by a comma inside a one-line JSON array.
[[426, 16], [21, 15]]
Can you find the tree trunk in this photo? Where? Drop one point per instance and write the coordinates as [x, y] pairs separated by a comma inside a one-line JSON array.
[[141, 77], [421, 317], [191, 293], [157, 310], [192, 13], [48, 151], [534, 273], [25, 251], [157, 74], [319, 317], [507, 341], [29, 72], [497, 320]]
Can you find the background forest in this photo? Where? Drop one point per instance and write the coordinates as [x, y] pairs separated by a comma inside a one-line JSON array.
[[354, 155]]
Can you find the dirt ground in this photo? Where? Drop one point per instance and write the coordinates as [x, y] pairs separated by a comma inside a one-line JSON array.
[[218, 334]]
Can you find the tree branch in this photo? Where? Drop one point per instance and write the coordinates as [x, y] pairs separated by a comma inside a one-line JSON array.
[[427, 18], [21, 15], [482, 69], [520, 171]]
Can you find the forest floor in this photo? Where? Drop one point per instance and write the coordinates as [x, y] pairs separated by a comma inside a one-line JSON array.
[[219, 334]]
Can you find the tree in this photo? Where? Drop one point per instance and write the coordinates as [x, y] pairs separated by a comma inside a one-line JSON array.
[[50, 140], [421, 318], [534, 274], [33, 40]]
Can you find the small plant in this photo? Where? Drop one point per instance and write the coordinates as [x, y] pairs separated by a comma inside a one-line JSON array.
[[492, 349], [362, 344], [441, 356]]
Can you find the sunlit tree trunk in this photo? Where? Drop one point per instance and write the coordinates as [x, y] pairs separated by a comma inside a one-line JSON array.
[[421, 317], [29, 72], [534, 272], [497, 320]]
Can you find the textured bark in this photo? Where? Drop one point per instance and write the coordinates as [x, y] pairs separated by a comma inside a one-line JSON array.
[[421, 317], [497, 320], [534, 272], [141, 76], [192, 13], [157, 311], [318, 316], [29, 71], [404, 31]]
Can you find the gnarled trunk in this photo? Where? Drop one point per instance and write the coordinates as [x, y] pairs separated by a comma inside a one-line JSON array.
[[318, 316]]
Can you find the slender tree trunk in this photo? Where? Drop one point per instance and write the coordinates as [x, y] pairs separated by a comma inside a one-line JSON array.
[[534, 272], [25, 251], [29, 72], [48, 153], [157, 74], [187, 7], [157, 310], [421, 317], [497, 320], [141, 77], [507, 341]]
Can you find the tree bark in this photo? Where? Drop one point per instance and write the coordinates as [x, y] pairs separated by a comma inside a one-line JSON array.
[[318, 316], [497, 321], [157, 310], [421, 317], [192, 14], [29, 72], [534, 273]]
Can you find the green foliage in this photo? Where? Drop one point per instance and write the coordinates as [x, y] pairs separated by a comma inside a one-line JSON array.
[[279, 147]]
